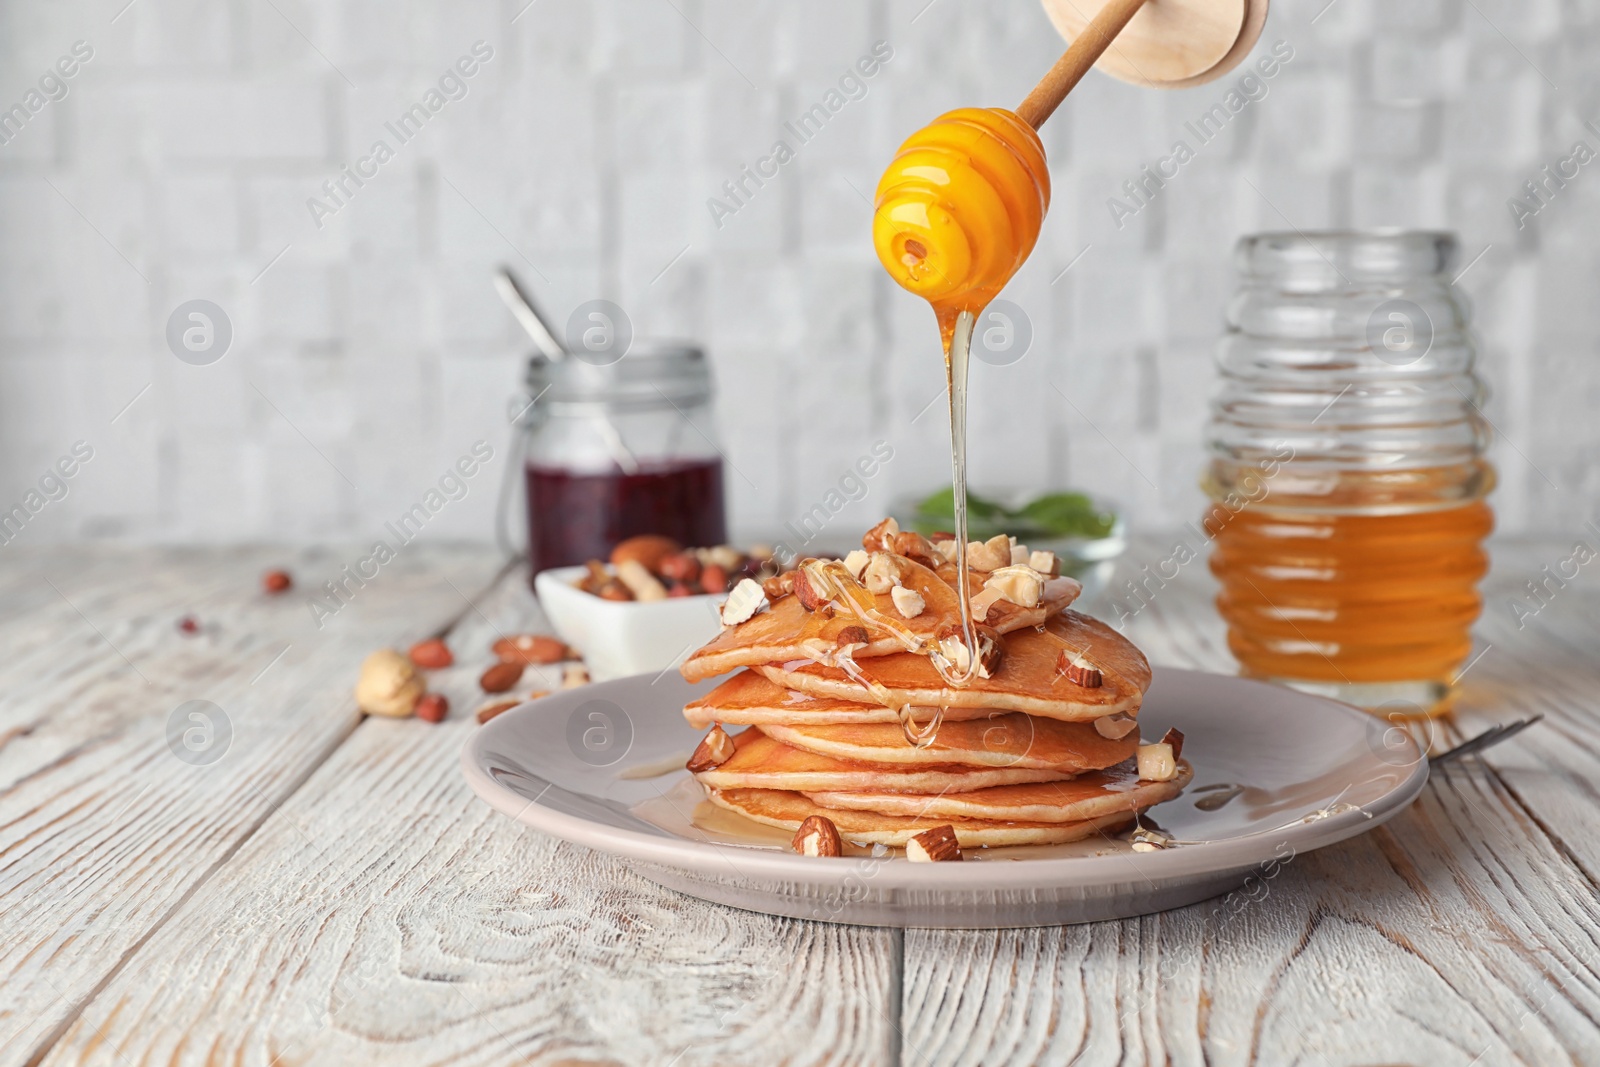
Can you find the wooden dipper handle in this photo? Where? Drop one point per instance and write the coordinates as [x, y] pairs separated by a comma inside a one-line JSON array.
[[1076, 61]]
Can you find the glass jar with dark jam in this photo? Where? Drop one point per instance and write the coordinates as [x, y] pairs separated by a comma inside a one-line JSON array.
[[615, 449]]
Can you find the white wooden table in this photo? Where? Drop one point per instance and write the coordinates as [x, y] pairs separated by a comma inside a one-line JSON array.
[[328, 891]]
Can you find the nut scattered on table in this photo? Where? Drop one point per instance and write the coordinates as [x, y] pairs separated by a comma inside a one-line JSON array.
[[433, 707], [488, 711], [432, 654], [500, 677], [817, 836], [276, 581], [389, 684], [574, 675], [938, 845], [714, 749], [531, 648]]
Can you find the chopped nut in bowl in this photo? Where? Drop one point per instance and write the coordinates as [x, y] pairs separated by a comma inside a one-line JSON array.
[[649, 605]]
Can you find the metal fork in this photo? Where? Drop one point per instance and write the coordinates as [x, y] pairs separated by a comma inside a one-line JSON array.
[[1488, 739]]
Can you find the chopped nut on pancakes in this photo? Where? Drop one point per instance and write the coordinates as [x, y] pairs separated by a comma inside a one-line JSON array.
[[938, 845], [1174, 737], [855, 561], [908, 602], [881, 537], [1046, 563], [810, 599], [779, 585], [883, 573], [715, 749], [1018, 584], [853, 637], [817, 836], [1157, 763], [1117, 726], [986, 556], [1078, 670], [913, 545], [746, 599]]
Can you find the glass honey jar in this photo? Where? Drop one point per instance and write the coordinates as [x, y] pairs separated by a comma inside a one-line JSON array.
[[1348, 472]]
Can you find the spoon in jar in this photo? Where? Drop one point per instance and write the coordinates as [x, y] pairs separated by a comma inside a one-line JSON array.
[[527, 315]]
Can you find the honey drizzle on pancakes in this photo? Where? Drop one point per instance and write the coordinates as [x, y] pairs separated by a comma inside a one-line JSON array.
[[842, 588]]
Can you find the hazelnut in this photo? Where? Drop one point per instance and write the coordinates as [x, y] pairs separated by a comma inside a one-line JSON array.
[[389, 684], [680, 567], [984, 556], [883, 573], [853, 637], [647, 550], [914, 546], [276, 582], [779, 586], [433, 707], [1157, 763], [952, 643], [855, 561], [881, 537], [714, 578]]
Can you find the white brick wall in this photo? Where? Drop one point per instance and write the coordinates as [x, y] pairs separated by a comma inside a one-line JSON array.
[[373, 352]]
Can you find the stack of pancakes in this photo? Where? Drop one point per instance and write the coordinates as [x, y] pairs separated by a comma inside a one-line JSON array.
[[1040, 749]]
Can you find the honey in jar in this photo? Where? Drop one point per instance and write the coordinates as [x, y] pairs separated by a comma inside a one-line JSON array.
[[1347, 468]]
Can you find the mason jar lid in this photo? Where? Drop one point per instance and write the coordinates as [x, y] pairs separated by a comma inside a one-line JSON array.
[[651, 373], [1336, 259]]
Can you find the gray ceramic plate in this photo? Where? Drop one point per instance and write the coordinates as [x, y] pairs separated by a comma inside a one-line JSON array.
[[601, 766]]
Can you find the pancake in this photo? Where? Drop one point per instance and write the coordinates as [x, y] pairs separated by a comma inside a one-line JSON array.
[[1089, 796], [1026, 681], [760, 762], [749, 699], [776, 807], [1000, 739], [779, 635]]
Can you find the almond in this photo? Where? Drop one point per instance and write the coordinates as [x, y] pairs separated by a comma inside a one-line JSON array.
[[938, 845], [500, 677], [1174, 737], [641, 582], [433, 707], [744, 602], [817, 836], [881, 537], [807, 594], [647, 550], [530, 648], [1078, 670], [432, 654], [853, 637], [952, 643], [714, 749], [495, 707]]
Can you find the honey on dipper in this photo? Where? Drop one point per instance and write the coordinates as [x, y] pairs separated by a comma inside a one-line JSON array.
[[960, 206]]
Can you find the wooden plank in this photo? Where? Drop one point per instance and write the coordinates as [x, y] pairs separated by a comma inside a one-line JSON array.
[[384, 914], [104, 828], [1461, 933]]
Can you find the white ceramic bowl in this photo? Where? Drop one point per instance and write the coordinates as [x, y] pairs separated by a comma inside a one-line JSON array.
[[623, 637]]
